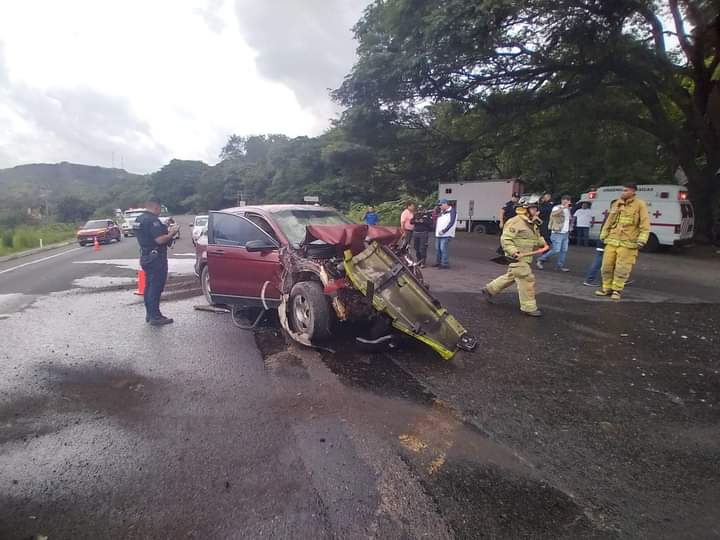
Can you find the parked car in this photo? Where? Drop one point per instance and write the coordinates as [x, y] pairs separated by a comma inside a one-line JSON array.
[[105, 230], [318, 268], [128, 223], [198, 225]]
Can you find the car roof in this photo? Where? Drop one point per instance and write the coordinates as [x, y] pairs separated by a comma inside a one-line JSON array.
[[271, 208]]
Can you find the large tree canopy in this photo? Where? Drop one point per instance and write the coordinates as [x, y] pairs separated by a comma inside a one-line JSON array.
[[650, 65]]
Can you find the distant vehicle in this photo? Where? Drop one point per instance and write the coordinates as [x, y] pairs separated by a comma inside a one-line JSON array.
[[128, 223], [198, 225], [672, 217], [105, 230], [478, 203]]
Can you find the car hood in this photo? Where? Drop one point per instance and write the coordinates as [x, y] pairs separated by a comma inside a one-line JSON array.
[[352, 237]]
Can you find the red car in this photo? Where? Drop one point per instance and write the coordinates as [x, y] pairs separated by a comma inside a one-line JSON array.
[[318, 268], [239, 264], [105, 230]]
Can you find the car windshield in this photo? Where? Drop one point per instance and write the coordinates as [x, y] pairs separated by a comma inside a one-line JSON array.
[[293, 222], [201, 221], [98, 224], [132, 215]]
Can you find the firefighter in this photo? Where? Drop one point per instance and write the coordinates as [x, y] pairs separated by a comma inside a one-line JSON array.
[[626, 230], [520, 236]]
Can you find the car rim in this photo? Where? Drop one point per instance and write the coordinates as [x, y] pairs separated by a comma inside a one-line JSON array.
[[302, 312]]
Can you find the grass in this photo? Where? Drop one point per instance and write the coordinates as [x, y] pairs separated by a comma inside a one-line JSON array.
[[26, 237]]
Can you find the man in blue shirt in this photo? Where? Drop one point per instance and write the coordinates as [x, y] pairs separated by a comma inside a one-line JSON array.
[[371, 217], [153, 237]]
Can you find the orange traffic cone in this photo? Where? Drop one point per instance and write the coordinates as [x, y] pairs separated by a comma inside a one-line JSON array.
[[141, 283], [96, 245]]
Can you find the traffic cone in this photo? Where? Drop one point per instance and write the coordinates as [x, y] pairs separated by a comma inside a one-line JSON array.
[[141, 283], [96, 245]]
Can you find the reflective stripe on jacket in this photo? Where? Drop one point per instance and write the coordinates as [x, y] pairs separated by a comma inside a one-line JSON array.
[[627, 224], [520, 236]]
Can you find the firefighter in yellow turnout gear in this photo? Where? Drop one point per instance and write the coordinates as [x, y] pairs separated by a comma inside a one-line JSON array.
[[520, 237], [626, 230]]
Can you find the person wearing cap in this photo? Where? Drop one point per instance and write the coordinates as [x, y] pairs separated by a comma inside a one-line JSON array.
[[626, 230], [153, 237], [520, 237], [444, 232]]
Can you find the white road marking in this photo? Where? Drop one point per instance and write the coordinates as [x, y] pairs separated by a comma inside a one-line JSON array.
[[175, 266], [40, 260]]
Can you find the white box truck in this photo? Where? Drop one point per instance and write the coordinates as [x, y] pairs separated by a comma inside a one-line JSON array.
[[672, 218], [478, 203]]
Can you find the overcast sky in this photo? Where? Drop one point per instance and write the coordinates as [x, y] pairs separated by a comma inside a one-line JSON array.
[[149, 80]]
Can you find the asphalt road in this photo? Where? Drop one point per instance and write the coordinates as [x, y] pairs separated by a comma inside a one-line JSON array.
[[600, 420]]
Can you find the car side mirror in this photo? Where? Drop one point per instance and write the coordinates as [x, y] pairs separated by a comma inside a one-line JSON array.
[[260, 245]]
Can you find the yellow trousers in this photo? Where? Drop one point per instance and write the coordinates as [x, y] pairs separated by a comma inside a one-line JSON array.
[[616, 266], [519, 273]]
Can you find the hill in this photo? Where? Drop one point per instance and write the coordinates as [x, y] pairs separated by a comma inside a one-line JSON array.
[[59, 179]]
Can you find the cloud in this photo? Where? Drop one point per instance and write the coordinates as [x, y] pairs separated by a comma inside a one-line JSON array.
[[150, 81], [307, 45]]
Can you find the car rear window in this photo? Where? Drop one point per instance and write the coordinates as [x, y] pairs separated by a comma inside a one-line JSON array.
[[98, 224], [293, 222]]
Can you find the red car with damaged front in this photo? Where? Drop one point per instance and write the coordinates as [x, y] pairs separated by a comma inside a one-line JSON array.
[[105, 230]]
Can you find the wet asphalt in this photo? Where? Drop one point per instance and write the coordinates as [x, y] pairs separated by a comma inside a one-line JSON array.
[[598, 421]]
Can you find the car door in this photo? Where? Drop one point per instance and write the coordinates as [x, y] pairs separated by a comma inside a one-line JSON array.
[[239, 276]]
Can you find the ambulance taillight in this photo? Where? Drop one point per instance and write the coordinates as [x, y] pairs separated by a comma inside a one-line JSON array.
[[592, 194], [682, 195]]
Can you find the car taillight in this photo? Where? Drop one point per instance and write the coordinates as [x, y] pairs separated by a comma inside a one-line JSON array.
[[677, 229], [682, 195]]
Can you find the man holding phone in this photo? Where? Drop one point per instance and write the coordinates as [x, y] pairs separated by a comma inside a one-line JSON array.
[[153, 237], [560, 225]]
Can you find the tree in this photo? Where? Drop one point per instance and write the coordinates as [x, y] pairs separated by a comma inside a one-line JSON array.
[[177, 181], [512, 59], [71, 209]]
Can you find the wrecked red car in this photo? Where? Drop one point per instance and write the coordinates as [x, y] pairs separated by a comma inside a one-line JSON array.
[[318, 269]]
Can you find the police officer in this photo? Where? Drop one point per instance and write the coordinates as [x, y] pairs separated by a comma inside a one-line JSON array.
[[154, 238], [521, 236]]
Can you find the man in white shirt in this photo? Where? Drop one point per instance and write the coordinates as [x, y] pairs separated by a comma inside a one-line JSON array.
[[583, 221], [560, 225]]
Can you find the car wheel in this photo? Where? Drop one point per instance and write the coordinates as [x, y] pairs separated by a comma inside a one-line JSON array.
[[653, 244], [119, 238], [82, 244], [205, 284], [479, 228], [310, 310]]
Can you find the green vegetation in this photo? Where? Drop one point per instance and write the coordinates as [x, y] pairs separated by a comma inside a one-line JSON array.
[[28, 237], [565, 95]]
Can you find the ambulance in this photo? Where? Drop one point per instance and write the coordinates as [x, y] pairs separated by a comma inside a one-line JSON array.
[[672, 218]]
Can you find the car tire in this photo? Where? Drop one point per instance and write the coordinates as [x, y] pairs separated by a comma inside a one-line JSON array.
[[653, 244], [310, 310], [205, 284], [479, 228], [119, 238]]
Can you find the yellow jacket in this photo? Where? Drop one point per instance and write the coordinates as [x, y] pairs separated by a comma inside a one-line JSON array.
[[627, 224], [521, 236]]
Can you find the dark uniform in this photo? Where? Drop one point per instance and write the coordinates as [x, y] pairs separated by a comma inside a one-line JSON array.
[[153, 260], [423, 222]]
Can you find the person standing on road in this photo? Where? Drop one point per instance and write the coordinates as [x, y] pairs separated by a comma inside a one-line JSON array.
[[423, 227], [583, 221], [153, 238], [371, 217], [507, 212], [560, 225], [594, 269], [444, 232], [626, 230], [406, 224], [520, 237], [545, 209]]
